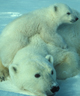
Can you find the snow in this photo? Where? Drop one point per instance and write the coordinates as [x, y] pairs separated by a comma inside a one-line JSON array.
[[69, 87], [11, 9]]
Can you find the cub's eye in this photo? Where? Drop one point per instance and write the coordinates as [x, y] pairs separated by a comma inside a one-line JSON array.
[[37, 75], [68, 13], [52, 72]]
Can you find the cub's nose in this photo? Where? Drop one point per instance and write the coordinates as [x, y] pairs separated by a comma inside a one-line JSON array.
[[76, 18], [55, 89]]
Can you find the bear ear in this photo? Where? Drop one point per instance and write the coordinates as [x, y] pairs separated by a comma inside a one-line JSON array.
[[13, 67], [50, 59], [55, 8]]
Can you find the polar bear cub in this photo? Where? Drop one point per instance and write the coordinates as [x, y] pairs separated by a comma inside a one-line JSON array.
[[45, 22]]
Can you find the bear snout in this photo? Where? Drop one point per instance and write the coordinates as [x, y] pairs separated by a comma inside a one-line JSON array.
[[55, 89], [76, 18]]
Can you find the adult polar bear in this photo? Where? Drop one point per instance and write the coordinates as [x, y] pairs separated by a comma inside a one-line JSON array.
[[44, 22], [40, 75], [30, 60]]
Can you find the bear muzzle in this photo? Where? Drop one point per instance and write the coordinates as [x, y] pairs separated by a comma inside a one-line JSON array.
[[55, 89], [74, 20]]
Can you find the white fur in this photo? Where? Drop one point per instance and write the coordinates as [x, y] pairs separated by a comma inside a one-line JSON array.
[[45, 21], [65, 60], [29, 62], [71, 35], [31, 59], [35, 56], [9, 86]]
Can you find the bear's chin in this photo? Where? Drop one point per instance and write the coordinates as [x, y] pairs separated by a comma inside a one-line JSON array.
[[50, 93], [73, 20]]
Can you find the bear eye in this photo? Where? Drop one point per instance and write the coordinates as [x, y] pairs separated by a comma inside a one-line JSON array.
[[68, 13], [37, 75], [52, 72]]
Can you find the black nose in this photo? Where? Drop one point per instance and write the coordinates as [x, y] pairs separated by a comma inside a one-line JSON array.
[[55, 89], [76, 18]]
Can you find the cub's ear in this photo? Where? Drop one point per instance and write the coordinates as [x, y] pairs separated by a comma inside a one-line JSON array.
[[55, 8], [50, 59]]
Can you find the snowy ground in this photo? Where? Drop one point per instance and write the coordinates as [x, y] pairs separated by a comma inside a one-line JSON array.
[[11, 9]]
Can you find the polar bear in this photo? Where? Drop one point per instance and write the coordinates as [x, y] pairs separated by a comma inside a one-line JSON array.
[[31, 59], [30, 71], [45, 21], [13, 38], [69, 60], [66, 61], [34, 76]]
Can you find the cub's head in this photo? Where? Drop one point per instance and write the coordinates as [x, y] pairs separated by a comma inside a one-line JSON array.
[[35, 75], [64, 14]]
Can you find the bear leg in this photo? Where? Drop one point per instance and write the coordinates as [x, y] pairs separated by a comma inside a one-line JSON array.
[[69, 66]]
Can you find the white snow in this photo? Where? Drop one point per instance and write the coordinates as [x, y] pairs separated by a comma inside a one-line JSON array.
[[69, 87], [11, 9]]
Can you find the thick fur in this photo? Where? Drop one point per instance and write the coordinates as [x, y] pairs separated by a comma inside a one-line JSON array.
[[41, 25], [45, 22], [26, 64], [67, 59], [71, 35]]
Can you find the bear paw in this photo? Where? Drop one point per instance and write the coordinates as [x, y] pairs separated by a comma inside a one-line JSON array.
[[3, 74]]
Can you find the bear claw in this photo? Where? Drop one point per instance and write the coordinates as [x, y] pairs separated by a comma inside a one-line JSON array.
[[2, 78]]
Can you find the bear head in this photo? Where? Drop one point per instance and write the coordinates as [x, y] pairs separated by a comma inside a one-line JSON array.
[[63, 14], [37, 75]]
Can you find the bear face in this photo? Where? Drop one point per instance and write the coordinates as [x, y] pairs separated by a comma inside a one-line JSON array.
[[64, 13], [37, 76]]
